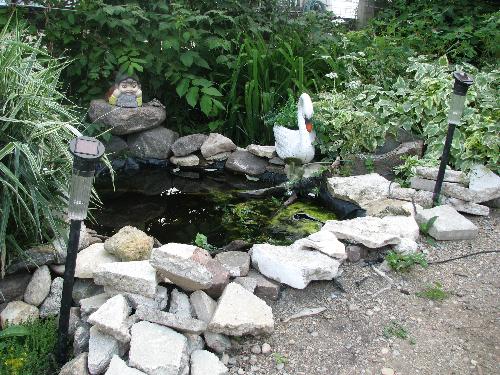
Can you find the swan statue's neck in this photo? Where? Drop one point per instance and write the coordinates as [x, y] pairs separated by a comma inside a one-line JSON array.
[[304, 110]]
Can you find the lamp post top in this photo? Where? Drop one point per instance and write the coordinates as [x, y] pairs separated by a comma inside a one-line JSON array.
[[462, 83]]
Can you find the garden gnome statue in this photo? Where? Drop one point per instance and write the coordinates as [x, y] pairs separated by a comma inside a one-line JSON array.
[[126, 92]]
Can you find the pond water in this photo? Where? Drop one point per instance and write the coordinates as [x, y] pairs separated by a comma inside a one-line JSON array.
[[175, 208]]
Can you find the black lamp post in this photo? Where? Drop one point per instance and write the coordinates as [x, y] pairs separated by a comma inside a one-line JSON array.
[[457, 104], [87, 152]]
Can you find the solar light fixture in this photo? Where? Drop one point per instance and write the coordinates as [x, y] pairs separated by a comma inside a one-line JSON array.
[[86, 152], [457, 105]]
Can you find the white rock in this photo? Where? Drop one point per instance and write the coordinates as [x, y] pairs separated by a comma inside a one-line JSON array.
[[292, 266], [52, 304], [360, 189], [90, 259], [185, 161], [467, 207], [136, 277], [102, 348], [204, 363], [203, 305], [449, 225], [450, 175], [449, 189], [237, 263], [180, 323], [216, 144], [374, 232], [111, 318], [118, 366], [239, 313], [484, 183], [180, 305], [17, 312], [262, 151], [39, 286], [133, 299], [92, 304], [325, 242], [158, 350]]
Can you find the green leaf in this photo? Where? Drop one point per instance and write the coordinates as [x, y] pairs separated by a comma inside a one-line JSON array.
[[182, 87], [14, 331], [202, 82], [187, 58], [212, 91], [192, 96], [200, 61], [206, 104]]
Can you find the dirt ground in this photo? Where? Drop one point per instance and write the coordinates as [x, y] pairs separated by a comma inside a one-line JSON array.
[[460, 335]]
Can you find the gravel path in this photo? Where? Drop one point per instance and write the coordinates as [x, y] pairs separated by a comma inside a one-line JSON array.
[[460, 335]]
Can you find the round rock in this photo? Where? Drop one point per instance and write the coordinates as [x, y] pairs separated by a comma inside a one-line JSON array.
[[17, 312], [39, 287], [130, 244]]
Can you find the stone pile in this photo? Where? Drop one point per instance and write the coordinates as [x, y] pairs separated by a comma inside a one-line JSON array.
[[139, 132]]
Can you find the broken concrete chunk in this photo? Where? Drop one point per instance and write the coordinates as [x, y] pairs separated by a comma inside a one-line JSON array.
[[180, 305], [237, 263], [218, 342], [180, 323], [204, 362], [155, 349], [239, 313], [92, 304], [90, 258], [136, 277], [111, 318], [484, 183], [323, 241], [449, 225], [118, 366], [430, 173], [293, 266], [203, 305], [102, 348]]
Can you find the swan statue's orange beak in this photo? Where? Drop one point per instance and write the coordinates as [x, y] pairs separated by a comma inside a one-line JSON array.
[[309, 126]]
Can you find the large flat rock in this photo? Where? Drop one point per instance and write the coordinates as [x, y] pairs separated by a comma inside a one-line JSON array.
[[124, 121], [158, 350], [484, 183], [188, 144], [449, 189], [135, 277], [292, 265], [449, 225], [374, 232], [152, 144], [216, 144], [239, 312], [430, 173], [242, 161], [323, 241], [189, 267]]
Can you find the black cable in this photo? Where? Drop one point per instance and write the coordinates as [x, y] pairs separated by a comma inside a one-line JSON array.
[[464, 256]]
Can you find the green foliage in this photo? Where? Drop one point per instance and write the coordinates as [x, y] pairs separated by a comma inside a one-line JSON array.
[[433, 292], [285, 116], [426, 227], [406, 171], [403, 263], [36, 124], [202, 241], [28, 349], [395, 329], [280, 358]]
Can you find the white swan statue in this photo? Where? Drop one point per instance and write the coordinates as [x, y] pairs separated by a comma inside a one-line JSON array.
[[297, 144]]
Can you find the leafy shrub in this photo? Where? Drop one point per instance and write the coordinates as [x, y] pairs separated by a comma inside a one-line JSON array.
[[400, 262], [35, 128], [28, 349]]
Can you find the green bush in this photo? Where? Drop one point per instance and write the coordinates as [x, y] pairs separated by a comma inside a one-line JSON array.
[[35, 126], [28, 349]]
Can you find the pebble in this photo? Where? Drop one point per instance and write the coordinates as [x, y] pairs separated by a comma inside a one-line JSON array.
[[387, 371], [280, 366], [253, 359], [369, 313], [241, 371], [225, 359], [385, 350], [353, 307], [314, 334], [255, 349], [266, 348]]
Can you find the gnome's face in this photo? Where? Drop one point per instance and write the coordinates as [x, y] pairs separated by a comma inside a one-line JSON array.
[[129, 86]]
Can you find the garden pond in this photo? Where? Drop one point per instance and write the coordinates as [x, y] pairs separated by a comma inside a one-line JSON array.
[[175, 207]]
